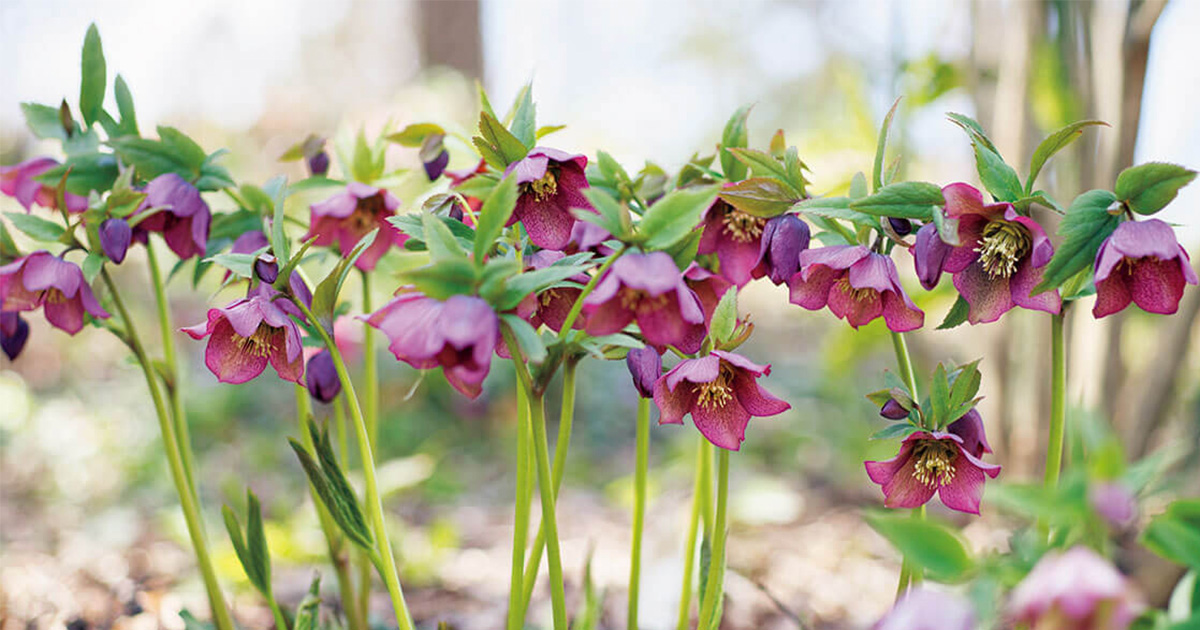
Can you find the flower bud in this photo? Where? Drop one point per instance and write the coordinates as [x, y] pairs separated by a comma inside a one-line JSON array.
[[115, 235], [266, 267], [902, 227], [645, 366], [784, 237], [14, 332], [321, 377], [1114, 503], [929, 254], [893, 410], [434, 167], [318, 164]]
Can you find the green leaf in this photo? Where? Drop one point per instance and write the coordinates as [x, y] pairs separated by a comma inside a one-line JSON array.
[[340, 512], [124, 98], [907, 200], [93, 80], [1083, 230], [89, 171], [996, 175], [764, 197], [939, 394], [35, 227], [1148, 188], [610, 214], [455, 276], [724, 318], [325, 297], [858, 186], [927, 543], [413, 225], [414, 135], [43, 121], [521, 285], [530, 342], [835, 208], [1054, 143], [898, 430], [277, 189], [499, 145], [493, 216], [8, 248], [524, 125], [973, 129], [762, 164], [151, 158], [239, 544], [362, 168], [1174, 538], [881, 147], [735, 136], [957, 315], [343, 494], [947, 228], [439, 240], [241, 265], [309, 608], [92, 265], [256, 544], [674, 216]]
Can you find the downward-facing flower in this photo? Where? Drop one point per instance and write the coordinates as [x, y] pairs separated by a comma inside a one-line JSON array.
[[14, 332], [926, 609], [459, 334], [736, 238], [999, 258], [936, 462], [857, 285], [551, 182], [18, 181], [183, 218], [1075, 590], [247, 334], [784, 237], [551, 306], [115, 235], [44, 280], [645, 366], [349, 215], [648, 289], [721, 391], [1141, 262], [320, 377], [929, 255]]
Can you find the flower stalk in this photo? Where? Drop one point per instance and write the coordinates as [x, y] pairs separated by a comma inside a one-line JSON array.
[[524, 493], [689, 553], [909, 574], [1058, 383], [639, 509], [714, 590]]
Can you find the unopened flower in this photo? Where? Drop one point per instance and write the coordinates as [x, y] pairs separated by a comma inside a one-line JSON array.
[[926, 609], [1141, 262], [1000, 257], [893, 410], [1075, 590], [459, 335], [18, 181], [784, 237], [902, 227], [44, 280], [857, 285], [645, 366], [648, 289], [736, 238], [115, 235], [318, 164], [321, 378], [1114, 503], [550, 182], [350, 215], [435, 166], [14, 332], [929, 255], [183, 218], [247, 334], [266, 268]]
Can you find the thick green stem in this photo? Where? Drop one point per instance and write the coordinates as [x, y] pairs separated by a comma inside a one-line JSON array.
[[689, 553], [714, 590], [1058, 408], [706, 487], [524, 485], [371, 416], [909, 572], [639, 509], [187, 500]]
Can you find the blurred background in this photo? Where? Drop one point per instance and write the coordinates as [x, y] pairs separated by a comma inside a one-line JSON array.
[[90, 533]]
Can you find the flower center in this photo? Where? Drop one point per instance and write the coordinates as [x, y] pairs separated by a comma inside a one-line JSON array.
[[934, 462], [260, 343], [718, 392], [54, 296], [640, 301], [546, 186], [858, 295], [367, 211], [743, 227], [1003, 245]]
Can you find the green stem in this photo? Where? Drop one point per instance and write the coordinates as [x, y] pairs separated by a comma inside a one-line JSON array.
[[524, 484], [187, 500], [383, 551], [371, 416], [1058, 410], [577, 307], [280, 621], [706, 486], [714, 590], [639, 509], [909, 572], [689, 554]]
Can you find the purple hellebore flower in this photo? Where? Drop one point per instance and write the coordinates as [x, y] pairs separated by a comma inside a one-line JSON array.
[[645, 366], [929, 255], [321, 379], [115, 235], [247, 334], [266, 268], [1114, 503], [944, 463], [784, 237], [41, 279], [1141, 262], [18, 181], [709, 287], [551, 182], [649, 289], [1000, 256], [318, 164], [349, 215], [14, 332], [893, 410], [435, 167], [926, 609], [184, 219], [297, 287], [249, 242], [721, 391], [736, 238], [550, 307], [1075, 590], [588, 237], [857, 285], [458, 334]]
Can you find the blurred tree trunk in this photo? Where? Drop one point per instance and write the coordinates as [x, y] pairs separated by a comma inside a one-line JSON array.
[[450, 35]]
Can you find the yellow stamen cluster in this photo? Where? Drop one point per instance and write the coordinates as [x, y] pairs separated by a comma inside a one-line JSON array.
[[546, 186], [934, 462], [858, 295], [636, 300], [718, 392], [743, 227], [1003, 245], [259, 344], [54, 296]]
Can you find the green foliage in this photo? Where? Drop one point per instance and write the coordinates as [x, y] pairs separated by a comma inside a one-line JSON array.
[[724, 318], [1083, 230], [330, 484], [881, 147], [674, 216], [527, 338], [1054, 143], [928, 543], [735, 136], [493, 216], [994, 173], [326, 295], [908, 200], [1148, 188], [1175, 534], [87, 172], [93, 77], [252, 551], [498, 146], [35, 227], [764, 197]]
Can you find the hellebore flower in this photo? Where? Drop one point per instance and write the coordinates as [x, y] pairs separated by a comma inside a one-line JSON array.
[[320, 377], [1075, 590], [18, 181], [349, 215], [318, 164], [645, 366], [41, 279], [550, 307], [1114, 503], [247, 334], [783, 238], [721, 391], [999, 259], [929, 255], [946, 463], [115, 235], [184, 219], [550, 182], [266, 268], [893, 410], [588, 237], [435, 166], [857, 285], [458, 334], [709, 287], [902, 227], [14, 332], [925, 609], [650, 289], [1141, 262], [736, 238]]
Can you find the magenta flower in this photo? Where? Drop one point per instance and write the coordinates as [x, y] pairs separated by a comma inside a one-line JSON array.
[[709, 287], [349, 215], [184, 219], [320, 377], [14, 332], [18, 181], [115, 235], [857, 285], [551, 306], [1075, 590], [551, 183], [999, 258], [458, 334], [935, 462], [925, 609], [1141, 262], [247, 334], [721, 391], [645, 366], [1114, 503], [649, 289], [929, 255], [736, 238], [784, 237], [58, 286]]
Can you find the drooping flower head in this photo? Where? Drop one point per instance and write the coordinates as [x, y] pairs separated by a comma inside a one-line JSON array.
[[946, 463], [1075, 590], [1141, 262], [736, 237], [349, 215], [14, 333], [551, 306], [44, 280], [115, 235], [247, 334], [550, 182], [320, 377], [18, 181], [645, 366], [999, 258], [183, 219], [929, 255], [648, 289], [721, 391], [926, 609], [857, 285], [784, 237], [459, 334]]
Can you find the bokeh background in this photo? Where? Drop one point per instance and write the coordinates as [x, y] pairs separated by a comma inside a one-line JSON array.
[[90, 534]]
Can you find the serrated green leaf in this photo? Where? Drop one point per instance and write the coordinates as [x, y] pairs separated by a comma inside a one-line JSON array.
[[536, 281], [345, 499], [239, 544], [93, 81], [762, 164], [835, 208], [89, 171], [43, 121], [493, 216], [280, 245], [1148, 188], [530, 342], [724, 318], [456, 276], [764, 197], [174, 152], [939, 394], [1174, 538], [1054, 143], [413, 225], [524, 124], [906, 200], [996, 175], [973, 129], [858, 186], [92, 265], [500, 142], [1083, 230], [674, 216], [8, 248], [610, 214], [256, 546], [440, 241], [928, 544], [957, 315], [735, 136], [895, 431], [414, 135], [309, 609], [35, 227]]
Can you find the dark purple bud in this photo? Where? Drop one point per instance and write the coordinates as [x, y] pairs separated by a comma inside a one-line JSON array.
[[115, 235], [321, 377], [929, 254], [902, 227], [893, 410], [784, 237], [319, 163], [266, 267], [14, 332], [434, 168], [645, 365]]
